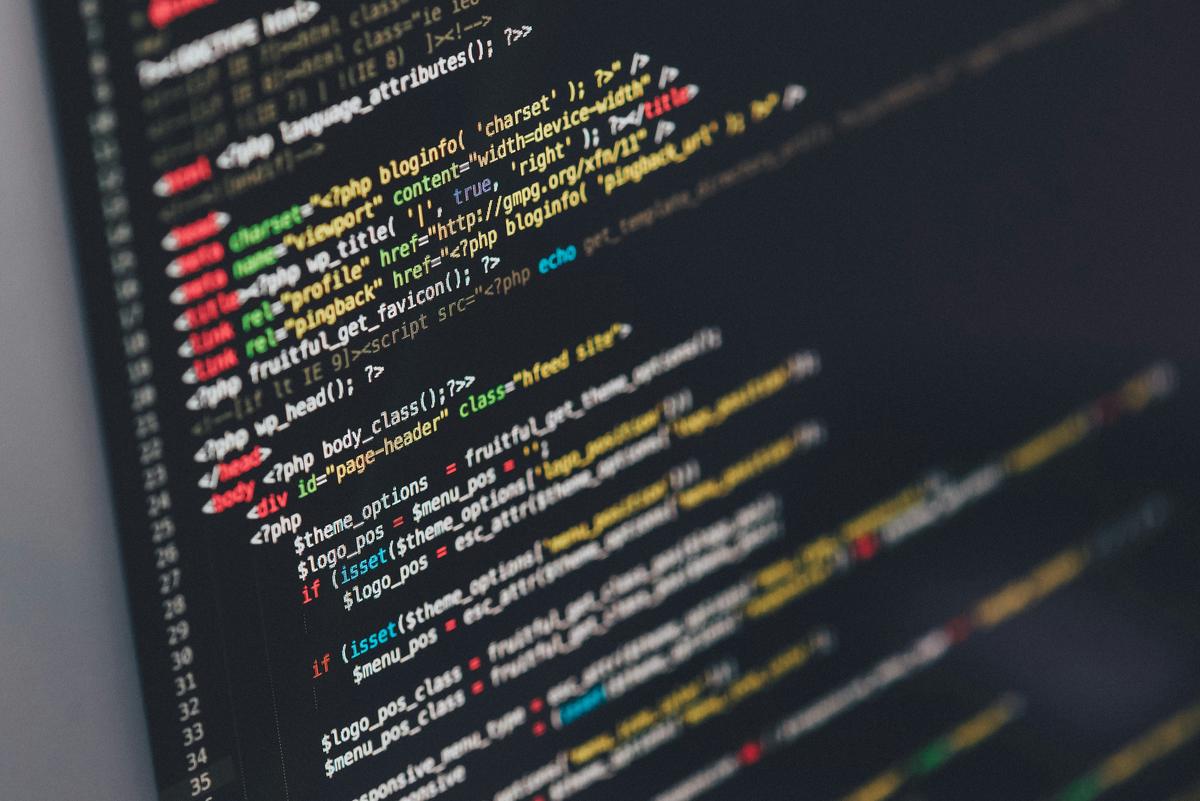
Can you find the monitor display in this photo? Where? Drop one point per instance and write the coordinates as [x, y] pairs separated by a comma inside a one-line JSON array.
[[531, 401]]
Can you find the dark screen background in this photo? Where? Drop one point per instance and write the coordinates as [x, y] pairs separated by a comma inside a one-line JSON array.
[[970, 268]]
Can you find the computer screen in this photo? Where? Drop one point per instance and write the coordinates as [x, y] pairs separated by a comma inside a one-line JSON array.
[[532, 401]]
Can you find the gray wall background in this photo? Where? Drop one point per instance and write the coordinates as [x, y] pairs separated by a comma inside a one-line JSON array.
[[70, 708]]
